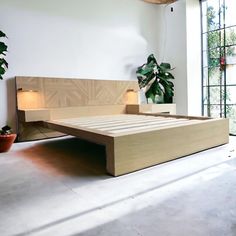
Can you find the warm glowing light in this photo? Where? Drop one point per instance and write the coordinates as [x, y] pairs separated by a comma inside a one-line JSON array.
[[131, 97], [28, 99]]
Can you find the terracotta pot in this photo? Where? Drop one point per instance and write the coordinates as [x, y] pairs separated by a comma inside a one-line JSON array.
[[6, 140]]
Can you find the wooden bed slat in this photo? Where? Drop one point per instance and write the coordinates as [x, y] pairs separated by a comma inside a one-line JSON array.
[[138, 125], [117, 121], [122, 125], [152, 127], [130, 123]]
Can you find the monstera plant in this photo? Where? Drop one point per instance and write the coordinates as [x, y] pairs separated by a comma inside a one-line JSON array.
[[155, 80], [3, 50]]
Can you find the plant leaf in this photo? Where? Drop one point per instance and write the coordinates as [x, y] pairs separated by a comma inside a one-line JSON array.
[[2, 34], [3, 62], [151, 58], [155, 79], [6, 130], [167, 66], [144, 80], [149, 94], [3, 47], [2, 70]]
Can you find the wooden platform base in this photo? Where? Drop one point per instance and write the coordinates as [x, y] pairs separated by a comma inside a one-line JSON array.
[[135, 142]]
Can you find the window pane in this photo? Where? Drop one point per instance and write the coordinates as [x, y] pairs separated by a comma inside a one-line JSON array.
[[231, 72], [222, 17], [232, 125], [214, 39], [215, 111], [214, 57], [215, 95], [230, 16], [213, 14], [230, 56], [214, 76], [231, 95], [230, 36], [231, 113]]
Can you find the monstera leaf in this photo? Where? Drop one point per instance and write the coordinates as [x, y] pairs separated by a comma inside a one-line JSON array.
[[3, 50], [154, 79]]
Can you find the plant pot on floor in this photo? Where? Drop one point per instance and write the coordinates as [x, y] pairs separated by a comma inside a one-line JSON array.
[[6, 140]]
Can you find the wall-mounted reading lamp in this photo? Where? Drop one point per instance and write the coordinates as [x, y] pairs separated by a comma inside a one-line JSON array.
[[131, 96], [27, 98]]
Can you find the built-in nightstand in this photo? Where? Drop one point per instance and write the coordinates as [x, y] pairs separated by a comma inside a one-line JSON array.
[[168, 108], [30, 115]]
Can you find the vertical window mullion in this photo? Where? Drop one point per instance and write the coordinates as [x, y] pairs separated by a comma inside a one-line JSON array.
[[208, 74], [221, 56], [225, 76]]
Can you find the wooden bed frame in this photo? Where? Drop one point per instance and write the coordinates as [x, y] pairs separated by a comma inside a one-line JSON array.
[[134, 136]]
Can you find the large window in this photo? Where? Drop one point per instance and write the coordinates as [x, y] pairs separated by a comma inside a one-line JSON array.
[[219, 59]]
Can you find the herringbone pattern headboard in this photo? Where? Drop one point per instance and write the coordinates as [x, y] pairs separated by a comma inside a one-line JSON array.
[[65, 92]]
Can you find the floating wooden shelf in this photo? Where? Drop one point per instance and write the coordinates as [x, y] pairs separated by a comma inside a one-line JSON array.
[[169, 108], [30, 115]]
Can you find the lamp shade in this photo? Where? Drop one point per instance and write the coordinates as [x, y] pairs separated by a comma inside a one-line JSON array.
[[160, 1]]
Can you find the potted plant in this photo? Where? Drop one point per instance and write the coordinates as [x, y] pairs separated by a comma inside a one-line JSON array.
[[155, 80], [6, 138]]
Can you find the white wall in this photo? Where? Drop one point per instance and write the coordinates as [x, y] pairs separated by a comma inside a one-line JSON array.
[[172, 48], [105, 39], [193, 57], [180, 44]]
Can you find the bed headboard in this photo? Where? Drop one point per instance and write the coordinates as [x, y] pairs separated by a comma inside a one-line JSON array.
[[73, 94]]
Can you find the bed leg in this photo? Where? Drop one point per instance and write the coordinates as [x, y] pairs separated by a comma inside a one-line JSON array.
[[110, 159]]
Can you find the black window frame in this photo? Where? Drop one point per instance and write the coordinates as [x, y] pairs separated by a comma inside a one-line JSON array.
[[222, 47]]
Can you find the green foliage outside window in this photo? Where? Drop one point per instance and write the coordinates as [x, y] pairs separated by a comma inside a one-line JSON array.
[[221, 44]]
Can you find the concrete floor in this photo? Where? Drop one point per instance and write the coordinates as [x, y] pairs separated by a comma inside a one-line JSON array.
[[60, 187]]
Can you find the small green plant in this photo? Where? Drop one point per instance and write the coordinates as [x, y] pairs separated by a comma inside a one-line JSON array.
[[156, 79], [5, 130], [3, 51]]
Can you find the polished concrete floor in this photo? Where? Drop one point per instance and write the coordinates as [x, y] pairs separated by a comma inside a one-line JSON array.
[[60, 187]]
